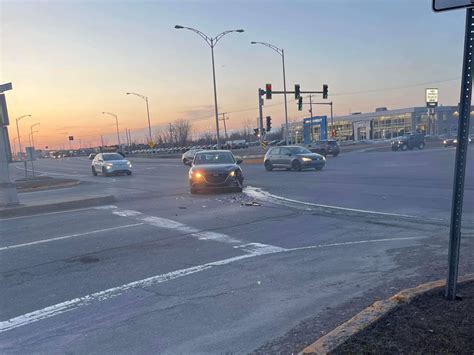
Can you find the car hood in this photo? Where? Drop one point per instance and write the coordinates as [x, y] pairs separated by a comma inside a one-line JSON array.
[[116, 162], [310, 155], [215, 168]]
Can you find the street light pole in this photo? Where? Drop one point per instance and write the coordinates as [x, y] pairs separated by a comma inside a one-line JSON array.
[[212, 41], [281, 52], [32, 143], [147, 111], [117, 126], [18, 131]]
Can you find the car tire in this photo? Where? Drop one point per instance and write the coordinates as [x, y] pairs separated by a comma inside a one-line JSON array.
[[104, 172], [296, 165], [421, 146], [268, 165], [318, 169], [404, 147], [94, 172], [129, 173], [335, 154], [193, 191]]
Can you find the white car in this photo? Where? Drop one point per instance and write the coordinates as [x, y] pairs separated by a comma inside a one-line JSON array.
[[110, 163]]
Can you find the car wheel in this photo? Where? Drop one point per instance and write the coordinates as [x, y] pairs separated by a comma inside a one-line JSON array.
[[193, 191], [296, 165], [404, 147], [421, 146], [94, 172], [318, 169], [104, 172], [268, 165], [129, 173], [335, 154]]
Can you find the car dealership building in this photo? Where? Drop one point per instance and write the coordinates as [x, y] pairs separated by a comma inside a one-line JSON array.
[[382, 124]]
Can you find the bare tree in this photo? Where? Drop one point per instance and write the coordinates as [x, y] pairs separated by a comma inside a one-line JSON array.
[[182, 129]]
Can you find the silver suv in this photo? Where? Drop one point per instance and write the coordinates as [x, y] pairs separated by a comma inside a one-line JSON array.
[[293, 157]]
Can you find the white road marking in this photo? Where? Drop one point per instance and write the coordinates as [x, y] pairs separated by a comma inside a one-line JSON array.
[[252, 249], [39, 172], [42, 241], [166, 223], [266, 196]]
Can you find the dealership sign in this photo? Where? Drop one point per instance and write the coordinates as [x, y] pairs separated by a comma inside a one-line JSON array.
[[431, 97]]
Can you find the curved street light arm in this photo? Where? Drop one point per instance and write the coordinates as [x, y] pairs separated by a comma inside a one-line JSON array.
[[220, 35], [203, 35], [139, 95], [275, 48], [19, 118], [110, 113]]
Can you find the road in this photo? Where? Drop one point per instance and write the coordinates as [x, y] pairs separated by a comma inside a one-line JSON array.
[[267, 270]]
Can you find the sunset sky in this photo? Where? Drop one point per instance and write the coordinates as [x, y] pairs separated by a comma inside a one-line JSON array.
[[71, 60]]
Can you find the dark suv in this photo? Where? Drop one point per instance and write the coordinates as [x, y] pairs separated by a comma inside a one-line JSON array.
[[327, 147], [409, 141]]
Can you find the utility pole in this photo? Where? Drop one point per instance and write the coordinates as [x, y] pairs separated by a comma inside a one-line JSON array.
[[260, 113], [311, 112], [225, 126]]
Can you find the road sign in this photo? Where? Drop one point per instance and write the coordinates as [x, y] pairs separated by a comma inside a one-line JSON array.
[[151, 144], [71, 138], [264, 144], [431, 97], [5, 87], [444, 5]]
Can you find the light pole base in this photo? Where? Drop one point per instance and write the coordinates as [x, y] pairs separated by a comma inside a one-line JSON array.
[[8, 195]]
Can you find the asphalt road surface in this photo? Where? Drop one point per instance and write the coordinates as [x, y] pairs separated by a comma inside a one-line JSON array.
[[268, 270]]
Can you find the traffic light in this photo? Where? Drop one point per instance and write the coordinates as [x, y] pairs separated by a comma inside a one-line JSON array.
[[269, 123], [268, 90], [300, 103], [325, 91], [255, 132], [297, 91]]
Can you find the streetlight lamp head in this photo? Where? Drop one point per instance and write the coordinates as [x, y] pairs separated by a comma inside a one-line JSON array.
[[240, 30], [178, 27], [128, 93], [253, 42]]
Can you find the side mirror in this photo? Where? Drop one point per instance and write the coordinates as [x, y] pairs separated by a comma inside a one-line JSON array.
[[188, 162], [239, 161]]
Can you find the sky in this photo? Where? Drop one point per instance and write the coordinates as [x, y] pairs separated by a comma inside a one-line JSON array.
[[71, 60]]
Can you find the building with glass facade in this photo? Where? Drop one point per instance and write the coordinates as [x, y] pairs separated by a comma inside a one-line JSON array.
[[385, 124]]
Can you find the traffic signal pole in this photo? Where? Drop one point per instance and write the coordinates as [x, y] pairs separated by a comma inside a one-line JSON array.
[[260, 113]]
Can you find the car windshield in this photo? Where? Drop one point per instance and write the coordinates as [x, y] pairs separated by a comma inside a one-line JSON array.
[[214, 158], [109, 157], [298, 150]]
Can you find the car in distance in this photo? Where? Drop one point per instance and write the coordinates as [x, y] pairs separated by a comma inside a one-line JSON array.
[[188, 156], [110, 163], [215, 170], [293, 157], [409, 141], [325, 147], [452, 142]]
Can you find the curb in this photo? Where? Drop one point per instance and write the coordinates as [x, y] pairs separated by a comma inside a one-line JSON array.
[[50, 187], [371, 314], [56, 206]]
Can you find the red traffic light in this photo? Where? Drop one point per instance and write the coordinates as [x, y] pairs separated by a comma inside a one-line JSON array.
[[268, 90]]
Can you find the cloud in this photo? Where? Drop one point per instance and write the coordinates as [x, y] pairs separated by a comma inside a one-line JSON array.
[[198, 112]]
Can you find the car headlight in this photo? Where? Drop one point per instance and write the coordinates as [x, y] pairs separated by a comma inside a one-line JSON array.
[[108, 166], [129, 164], [455, 141], [196, 175], [306, 159], [445, 141]]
